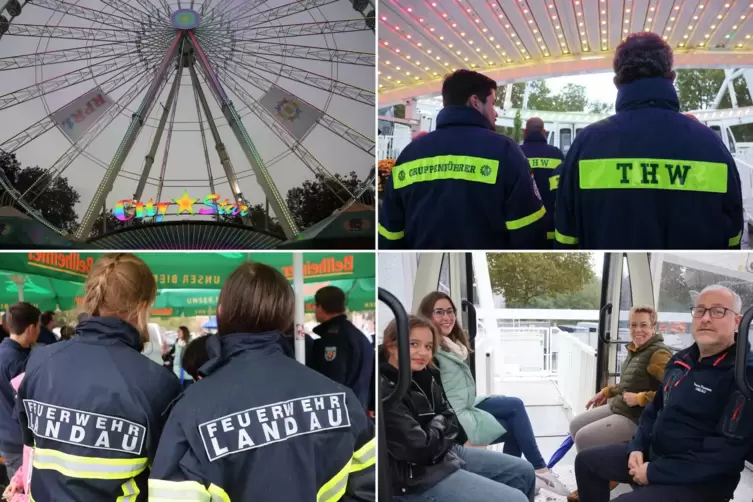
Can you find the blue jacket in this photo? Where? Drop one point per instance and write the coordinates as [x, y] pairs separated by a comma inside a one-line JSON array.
[[543, 159], [345, 355], [462, 186], [648, 178], [260, 426], [46, 336], [12, 362], [699, 427], [92, 408]]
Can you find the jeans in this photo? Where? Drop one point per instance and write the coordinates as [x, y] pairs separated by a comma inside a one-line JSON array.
[[519, 439], [487, 476], [595, 467]]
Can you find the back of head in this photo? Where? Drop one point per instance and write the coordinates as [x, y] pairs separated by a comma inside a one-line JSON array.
[[20, 316], [195, 356], [121, 285], [331, 299], [642, 55], [459, 86], [47, 317], [255, 298], [534, 125], [67, 332]]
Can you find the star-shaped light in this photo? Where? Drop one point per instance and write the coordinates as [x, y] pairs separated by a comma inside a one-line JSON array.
[[185, 203]]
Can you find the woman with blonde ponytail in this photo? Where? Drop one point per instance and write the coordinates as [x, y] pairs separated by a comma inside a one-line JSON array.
[[93, 407]]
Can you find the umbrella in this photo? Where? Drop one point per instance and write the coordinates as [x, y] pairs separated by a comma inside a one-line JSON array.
[[349, 228], [210, 324], [561, 452]]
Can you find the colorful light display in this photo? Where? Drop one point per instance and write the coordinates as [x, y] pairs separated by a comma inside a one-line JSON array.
[[127, 209]]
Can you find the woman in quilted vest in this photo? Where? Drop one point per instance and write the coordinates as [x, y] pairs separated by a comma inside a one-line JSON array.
[[614, 412], [485, 419]]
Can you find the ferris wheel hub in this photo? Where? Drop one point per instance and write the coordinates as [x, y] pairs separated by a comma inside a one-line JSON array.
[[186, 19]]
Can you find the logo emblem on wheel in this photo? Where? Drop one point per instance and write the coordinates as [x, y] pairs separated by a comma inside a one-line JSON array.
[[288, 110]]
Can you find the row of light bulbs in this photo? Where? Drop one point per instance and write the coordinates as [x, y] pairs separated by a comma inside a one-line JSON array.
[[531, 21]]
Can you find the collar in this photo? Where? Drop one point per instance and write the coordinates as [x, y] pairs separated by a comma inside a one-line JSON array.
[[534, 137], [456, 115], [331, 326], [14, 345], [110, 328], [221, 349], [724, 359], [647, 92]]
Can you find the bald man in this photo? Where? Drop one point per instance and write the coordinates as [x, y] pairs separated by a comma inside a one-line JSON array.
[[543, 158]]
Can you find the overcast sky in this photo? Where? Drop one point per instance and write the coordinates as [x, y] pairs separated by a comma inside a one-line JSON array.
[[186, 167]]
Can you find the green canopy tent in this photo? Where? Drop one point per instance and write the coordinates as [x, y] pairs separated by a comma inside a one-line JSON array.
[[196, 270], [44, 292], [351, 228]]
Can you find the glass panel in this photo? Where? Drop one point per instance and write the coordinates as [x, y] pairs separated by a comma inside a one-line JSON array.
[[444, 275], [731, 139], [566, 138], [623, 332]]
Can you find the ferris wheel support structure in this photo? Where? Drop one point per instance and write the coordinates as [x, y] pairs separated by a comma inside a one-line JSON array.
[[137, 122]]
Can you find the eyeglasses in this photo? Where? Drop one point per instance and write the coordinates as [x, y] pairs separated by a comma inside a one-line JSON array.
[[714, 312], [442, 312]]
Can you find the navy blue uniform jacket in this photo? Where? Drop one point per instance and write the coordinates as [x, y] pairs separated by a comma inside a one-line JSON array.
[[462, 186], [648, 177], [544, 159]]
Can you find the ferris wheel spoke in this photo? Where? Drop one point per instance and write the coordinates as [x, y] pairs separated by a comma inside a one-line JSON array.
[[62, 81], [72, 54], [42, 126], [305, 77], [71, 33], [301, 29], [224, 11], [308, 52], [78, 147], [329, 122], [280, 12], [151, 14], [285, 136], [87, 13]]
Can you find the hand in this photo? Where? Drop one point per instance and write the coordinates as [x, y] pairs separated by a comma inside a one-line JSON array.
[[640, 474], [598, 400], [635, 460], [631, 398], [10, 491]]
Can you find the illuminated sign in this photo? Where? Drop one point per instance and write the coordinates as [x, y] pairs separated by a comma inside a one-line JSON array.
[[70, 263], [127, 209], [325, 268]]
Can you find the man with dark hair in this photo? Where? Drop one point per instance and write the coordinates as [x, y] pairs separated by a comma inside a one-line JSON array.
[[4, 327], [543, 159], [342, 352], [648, 177], [46, 336], [24, 325], [462, 185]]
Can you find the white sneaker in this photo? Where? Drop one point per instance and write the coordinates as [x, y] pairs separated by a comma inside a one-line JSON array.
[[550, 482]]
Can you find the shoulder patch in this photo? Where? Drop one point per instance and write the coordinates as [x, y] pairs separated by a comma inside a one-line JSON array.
[[535, 186], [330, 353], [84, 428], [273, 423]]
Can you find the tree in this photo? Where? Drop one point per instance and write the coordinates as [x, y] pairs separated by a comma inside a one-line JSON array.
[[517, 130], [56, 202], [257, 215], [523, 277], [588, 298], [572, 98], [399, 111], [674, 293], [599, 107], [112, 224], [315, 200]]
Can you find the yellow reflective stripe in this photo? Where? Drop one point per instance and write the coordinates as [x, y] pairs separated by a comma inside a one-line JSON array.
[[554, 182], [364, 457], [525, 221], [170, 491], [550, 235], [446, 167], [392, 236], [735, 241], [218, 494], [565, 239], [334, 489], [75, 466], [541, 163], [130, 491], [662, 174]]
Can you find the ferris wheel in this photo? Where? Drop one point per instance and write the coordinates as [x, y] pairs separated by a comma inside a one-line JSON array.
[[151, 108]]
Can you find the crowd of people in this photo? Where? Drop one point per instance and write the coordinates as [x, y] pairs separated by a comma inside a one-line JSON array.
[[675, 426], [236, 417], [647, 177]]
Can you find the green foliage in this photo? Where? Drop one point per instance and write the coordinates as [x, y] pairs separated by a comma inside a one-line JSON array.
[[315, 200], [517, 131], [571, 98], [587, 298], [526, 278], [399, 111]]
